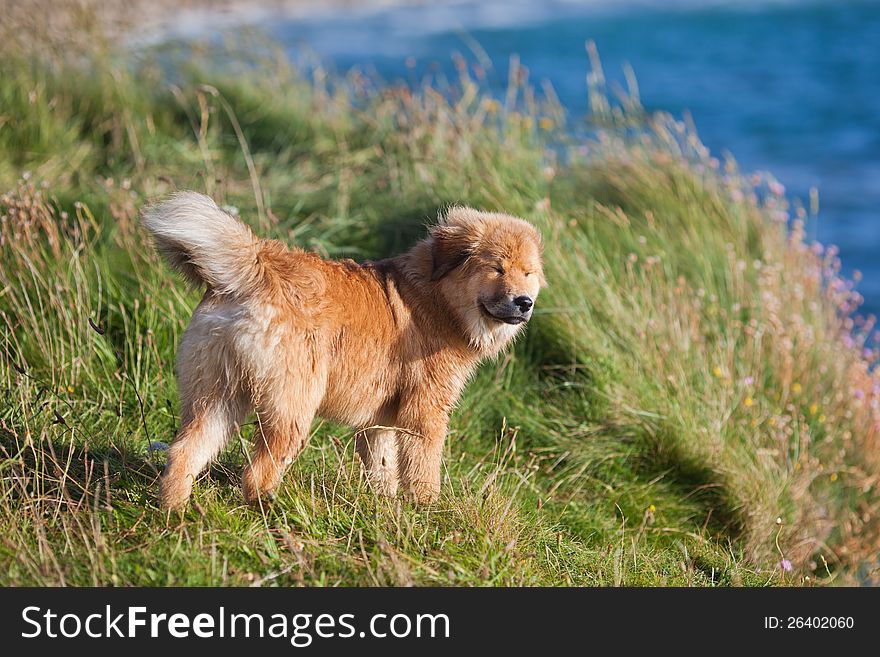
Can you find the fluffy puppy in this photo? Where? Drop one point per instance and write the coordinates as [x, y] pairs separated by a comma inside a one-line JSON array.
[[385, 347]]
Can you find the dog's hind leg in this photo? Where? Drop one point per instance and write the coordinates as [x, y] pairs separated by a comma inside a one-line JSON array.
[[378, 451], [207, 426], [282, 431]]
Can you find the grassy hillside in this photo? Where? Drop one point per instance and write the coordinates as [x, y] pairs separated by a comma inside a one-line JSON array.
[[691, 405]]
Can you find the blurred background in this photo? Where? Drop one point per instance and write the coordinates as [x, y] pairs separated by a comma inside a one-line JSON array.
[[786, 86]]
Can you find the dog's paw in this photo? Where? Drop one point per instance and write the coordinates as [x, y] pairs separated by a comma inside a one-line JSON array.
[[255, 493], [382, 482], [174, 494], [423, 493]]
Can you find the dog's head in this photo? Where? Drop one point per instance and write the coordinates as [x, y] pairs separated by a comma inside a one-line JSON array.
[[488, 269]]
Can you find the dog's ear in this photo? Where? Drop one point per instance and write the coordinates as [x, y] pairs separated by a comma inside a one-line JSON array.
[[453, 241], [449, 250]]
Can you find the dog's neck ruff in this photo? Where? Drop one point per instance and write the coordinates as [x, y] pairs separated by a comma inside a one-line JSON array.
[[489, 338]]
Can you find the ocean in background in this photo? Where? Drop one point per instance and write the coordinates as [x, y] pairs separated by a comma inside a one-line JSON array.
[[790, 87]]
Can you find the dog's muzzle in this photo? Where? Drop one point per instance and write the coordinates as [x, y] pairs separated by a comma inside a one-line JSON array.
[[515, 311]]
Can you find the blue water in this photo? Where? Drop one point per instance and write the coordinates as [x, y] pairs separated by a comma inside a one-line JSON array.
[[787, 87]]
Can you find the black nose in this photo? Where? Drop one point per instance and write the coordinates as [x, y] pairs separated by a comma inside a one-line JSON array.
[[524, 303]]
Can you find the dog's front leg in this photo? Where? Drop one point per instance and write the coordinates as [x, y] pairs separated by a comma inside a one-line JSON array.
[[378, 451], [420, 448]]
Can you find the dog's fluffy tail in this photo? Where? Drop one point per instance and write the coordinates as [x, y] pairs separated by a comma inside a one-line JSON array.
[[204, 243]]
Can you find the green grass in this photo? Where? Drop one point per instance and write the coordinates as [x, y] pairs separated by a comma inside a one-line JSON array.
[[690, 404]]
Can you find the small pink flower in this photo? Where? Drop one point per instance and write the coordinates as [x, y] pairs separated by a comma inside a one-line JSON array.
[[786, 565], [748, 381], [776, 187]]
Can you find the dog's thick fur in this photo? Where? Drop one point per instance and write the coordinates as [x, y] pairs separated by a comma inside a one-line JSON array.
[[388, 344]]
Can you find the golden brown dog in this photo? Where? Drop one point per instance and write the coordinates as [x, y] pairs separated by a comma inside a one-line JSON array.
[[385, 346]]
